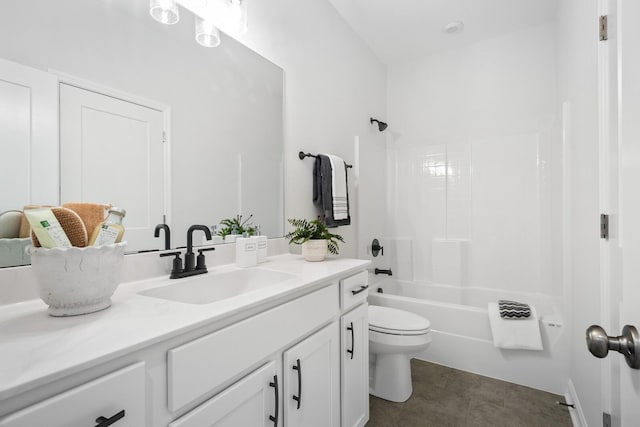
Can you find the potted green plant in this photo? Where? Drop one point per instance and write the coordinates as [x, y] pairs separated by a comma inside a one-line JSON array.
[[315, 238], [236, 226]]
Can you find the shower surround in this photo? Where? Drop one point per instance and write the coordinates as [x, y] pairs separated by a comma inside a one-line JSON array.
[[474, 173], [474, 164]]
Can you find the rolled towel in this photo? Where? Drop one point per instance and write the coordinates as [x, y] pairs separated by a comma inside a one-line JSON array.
[[91, 214], [514, 310], [10, 224], [523, 334]]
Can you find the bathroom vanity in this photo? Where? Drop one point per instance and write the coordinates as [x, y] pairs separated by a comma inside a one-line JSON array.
[[286, 346]]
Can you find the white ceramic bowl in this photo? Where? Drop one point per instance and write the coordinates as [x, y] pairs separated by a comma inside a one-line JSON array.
[[73, 281]]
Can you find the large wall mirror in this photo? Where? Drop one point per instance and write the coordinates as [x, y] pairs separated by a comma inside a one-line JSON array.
[[220, 111]]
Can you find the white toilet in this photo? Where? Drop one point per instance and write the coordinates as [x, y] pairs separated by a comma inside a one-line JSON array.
[[393, 336]]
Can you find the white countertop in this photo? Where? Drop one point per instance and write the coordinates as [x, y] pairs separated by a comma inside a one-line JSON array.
[[36, 348]]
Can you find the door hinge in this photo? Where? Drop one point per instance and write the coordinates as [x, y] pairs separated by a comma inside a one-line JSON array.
[[606, 420], [603, 28], [604, 226]]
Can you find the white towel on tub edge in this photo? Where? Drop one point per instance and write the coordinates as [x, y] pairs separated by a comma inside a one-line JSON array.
[[522, 334]]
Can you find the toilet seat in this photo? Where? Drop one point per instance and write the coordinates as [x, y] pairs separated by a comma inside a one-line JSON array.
[[392, 321]]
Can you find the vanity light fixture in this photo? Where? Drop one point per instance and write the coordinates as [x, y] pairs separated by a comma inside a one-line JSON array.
[[164, 11], [207, 34], [229, 15]]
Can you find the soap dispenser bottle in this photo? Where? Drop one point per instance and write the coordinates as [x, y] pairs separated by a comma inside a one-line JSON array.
[[230, 238], [261, 242], [246, 251]]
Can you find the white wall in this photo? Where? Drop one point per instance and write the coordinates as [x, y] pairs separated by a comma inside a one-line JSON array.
[[577, 56], [334, 83], [473, 155]]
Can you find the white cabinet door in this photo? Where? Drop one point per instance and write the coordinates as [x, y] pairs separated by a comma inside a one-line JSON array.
[[312, 380], [111, 151], [354, 330], [250, 402], [28, 136], [117, 399]]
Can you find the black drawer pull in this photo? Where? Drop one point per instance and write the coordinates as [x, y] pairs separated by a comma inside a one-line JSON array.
[[362, 289], [274, 384], [298, 368], [104, 422], [353, 341]]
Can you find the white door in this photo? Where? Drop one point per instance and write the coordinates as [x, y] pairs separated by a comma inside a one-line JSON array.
[[354, 328], [619, 70], [610, 246], [311, 371], [112, 152], [28, 136], [249, 402], [629, 133]]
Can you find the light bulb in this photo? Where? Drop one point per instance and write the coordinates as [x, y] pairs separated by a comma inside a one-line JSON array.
[[164, 11], [206, 33]]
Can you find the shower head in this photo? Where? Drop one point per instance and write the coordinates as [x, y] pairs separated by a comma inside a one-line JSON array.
[[381, 125]]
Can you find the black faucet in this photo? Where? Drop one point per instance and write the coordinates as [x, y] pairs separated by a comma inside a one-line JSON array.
[[380, 271], [191, 267], [167, 235], [189, 257]]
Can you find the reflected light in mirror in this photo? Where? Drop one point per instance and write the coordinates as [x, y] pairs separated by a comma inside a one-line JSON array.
[[164, 11], [229, 16]]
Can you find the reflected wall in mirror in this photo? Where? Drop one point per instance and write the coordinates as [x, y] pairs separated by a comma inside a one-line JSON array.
[[222, 115]]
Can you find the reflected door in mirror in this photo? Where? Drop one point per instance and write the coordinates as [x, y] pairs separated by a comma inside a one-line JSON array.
[[28, 136], [112, 152]]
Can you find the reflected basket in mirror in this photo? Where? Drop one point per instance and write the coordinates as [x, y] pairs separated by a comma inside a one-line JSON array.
[[13, 253], [74, 281]]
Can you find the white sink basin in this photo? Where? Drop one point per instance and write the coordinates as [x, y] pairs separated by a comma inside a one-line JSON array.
[[208, 288]]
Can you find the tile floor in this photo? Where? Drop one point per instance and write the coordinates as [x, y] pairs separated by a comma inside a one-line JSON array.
[[448, 397]]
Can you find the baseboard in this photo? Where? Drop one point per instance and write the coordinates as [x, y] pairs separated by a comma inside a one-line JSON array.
[[571, 397]]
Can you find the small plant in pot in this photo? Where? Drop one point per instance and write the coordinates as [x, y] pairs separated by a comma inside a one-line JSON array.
[[315, 238], [236, 226]]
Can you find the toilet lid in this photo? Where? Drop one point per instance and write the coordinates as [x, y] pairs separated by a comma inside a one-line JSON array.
[[393, 321]]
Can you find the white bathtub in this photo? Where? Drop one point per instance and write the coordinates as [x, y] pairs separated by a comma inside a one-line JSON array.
[[462, 335]]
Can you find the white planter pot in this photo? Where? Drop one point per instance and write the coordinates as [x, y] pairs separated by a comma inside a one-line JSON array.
[[314, 250], [73, 281]]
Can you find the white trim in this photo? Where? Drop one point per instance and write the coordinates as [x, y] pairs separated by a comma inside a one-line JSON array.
[[571, 397], [68, 79], [567, 269], [107, 90], [604, 171]]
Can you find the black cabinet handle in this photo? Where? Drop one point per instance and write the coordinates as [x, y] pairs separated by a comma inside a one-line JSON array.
[[353, 341], [298, 368], [274, 384], [362, 289], [104, 421]]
